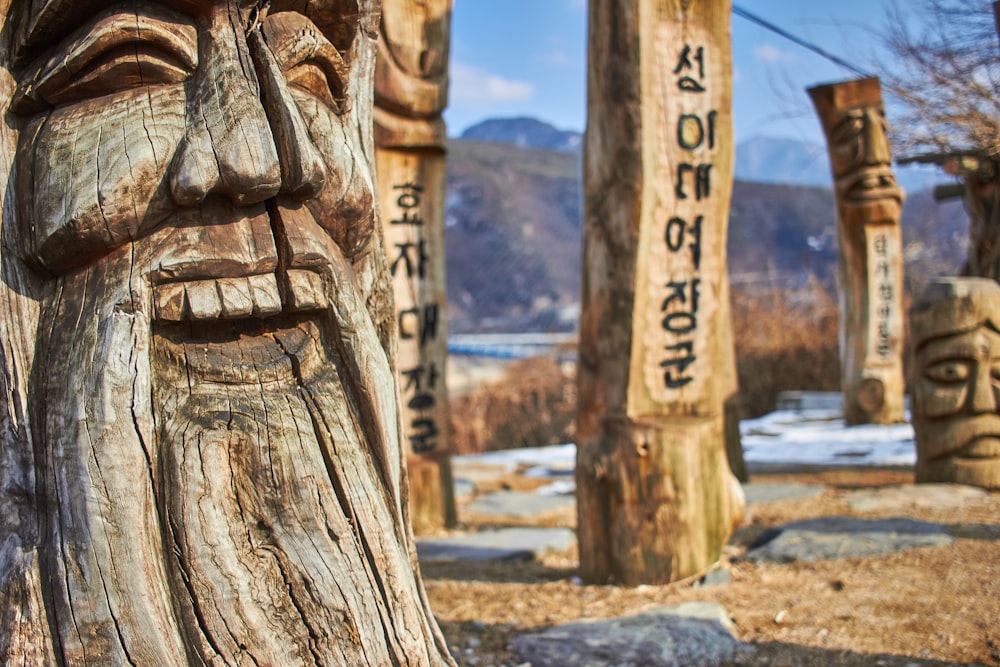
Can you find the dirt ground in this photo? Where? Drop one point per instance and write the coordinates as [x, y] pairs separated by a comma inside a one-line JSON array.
[[926, 606]]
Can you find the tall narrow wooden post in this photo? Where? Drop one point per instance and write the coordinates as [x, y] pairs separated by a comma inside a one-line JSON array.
[[411, 91], [869, 203], [656, 498]]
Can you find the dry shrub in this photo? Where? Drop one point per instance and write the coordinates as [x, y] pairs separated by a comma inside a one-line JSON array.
[[533, 404], [786, 339]]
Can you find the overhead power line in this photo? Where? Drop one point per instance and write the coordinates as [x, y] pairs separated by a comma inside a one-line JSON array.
[[739, 11]]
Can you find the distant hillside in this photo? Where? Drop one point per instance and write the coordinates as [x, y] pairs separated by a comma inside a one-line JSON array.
[[514, 232], [758, 159], [526, 133]]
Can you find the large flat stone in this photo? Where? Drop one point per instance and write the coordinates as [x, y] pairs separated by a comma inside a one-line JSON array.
[[908, 496], [694, 634], [520, 503], [832, 538], [502, 544], [770, 492]]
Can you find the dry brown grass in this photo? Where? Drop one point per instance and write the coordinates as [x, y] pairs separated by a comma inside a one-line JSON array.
[[785, 340], [532, 404]]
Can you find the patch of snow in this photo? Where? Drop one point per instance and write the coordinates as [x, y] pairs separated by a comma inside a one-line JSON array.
[[563, 487]]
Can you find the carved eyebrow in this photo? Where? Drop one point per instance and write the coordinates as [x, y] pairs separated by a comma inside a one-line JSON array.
[[293, 39], [168, 31]]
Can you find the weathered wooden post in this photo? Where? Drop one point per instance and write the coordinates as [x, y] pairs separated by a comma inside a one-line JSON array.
[[956, 402], [200, 457], [869, 203], [656, 498], [411, 91]]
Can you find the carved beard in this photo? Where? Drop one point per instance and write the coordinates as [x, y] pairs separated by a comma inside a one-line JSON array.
[[267, 525]]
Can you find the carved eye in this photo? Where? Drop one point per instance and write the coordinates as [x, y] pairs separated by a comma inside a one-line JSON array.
[[116, 52], [948, 372], [847, 130], [312, 77], [127, 66]]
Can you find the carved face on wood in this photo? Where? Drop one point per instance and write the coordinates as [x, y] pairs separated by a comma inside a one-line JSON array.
[[854, 121], [216, 419], [956, 392], [217, 137], [412, 68]]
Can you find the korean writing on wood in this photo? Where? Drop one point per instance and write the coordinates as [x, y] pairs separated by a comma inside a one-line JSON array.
[[682, 295]]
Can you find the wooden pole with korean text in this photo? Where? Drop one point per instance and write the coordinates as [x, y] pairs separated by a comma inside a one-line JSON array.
[[411, 90], [656, 497], [869, 203]]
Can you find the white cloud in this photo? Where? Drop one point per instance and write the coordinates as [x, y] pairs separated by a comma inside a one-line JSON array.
[[771, 54], [558, 58], [474, 84]]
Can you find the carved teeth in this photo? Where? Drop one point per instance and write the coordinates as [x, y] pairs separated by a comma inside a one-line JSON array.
[[237, 301], [228, 298], [264, 290], [305, 291]]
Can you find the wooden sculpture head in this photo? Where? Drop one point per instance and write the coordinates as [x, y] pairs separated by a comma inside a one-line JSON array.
[[853, 119], [956, 390], [181, 119], [212, 402]]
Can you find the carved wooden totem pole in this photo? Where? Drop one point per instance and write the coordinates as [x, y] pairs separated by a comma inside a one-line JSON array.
[[656, 497], [956, 391], [201, 460], [869, 203], [411, 91]]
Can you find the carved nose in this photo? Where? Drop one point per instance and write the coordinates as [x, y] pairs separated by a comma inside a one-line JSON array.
[[983, 396], [303, 171], [228, 148], [875, 142]]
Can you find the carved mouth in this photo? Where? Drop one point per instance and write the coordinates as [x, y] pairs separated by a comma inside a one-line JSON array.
[[870, 184], [983, 447], [258, 296]]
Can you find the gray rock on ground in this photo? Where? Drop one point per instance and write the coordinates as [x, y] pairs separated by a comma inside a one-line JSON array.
[[904, 497], [693, 634], [832, 538], [502, 544], [520, 503], [770, 492]]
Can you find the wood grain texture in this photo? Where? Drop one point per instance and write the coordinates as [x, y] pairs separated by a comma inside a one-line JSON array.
[[869, 203], [411, 86], [656, 498], [201, 458]]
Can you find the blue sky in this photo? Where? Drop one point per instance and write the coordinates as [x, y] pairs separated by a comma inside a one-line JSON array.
[[528, 57]]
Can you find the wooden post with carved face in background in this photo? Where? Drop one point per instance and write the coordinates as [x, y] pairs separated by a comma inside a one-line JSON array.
[[656, 498], [869, 203], [955, 325], [200, 457], [411, 92]]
